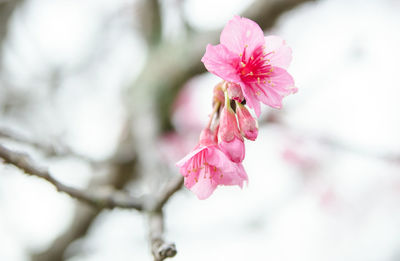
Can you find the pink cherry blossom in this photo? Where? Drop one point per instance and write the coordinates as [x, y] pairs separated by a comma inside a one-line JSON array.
[[229, 138], [207, 166], [247, 124], [256, 63]]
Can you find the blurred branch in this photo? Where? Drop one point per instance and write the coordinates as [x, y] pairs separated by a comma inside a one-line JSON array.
[[149, 14], [159, 248], [47, 150], [124, 170], [7, 8], [110, 200], [84, 217], [169, 190]]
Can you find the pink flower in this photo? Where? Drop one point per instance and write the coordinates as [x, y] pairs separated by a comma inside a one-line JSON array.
[[247, 124], [229, 138], [256, 63], [207, 166]]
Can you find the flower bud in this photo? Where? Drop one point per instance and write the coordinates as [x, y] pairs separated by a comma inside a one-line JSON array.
[[229, 138], [247, 124], [218, 93], [235, 92]]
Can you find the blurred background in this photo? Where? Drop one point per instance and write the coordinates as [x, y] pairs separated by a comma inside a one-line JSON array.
[[108, 94]]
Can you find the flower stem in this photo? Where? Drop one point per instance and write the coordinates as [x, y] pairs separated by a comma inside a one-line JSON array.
[[215, 109]]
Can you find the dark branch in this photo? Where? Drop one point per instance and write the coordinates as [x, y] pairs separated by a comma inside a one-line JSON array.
[[112, 200]]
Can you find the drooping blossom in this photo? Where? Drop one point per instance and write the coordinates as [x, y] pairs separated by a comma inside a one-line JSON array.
[[256, 63], [229, 137], [207, 166], [247, 124]]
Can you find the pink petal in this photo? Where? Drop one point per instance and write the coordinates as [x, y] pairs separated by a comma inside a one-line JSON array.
[[251, 99], [221, 62], [204, 187], [234, 149], [281, 85], [235, 177], [190, 179], [282, 82], [241, 33], [280, 54], [217, 158], [185, 159], [269, 96]]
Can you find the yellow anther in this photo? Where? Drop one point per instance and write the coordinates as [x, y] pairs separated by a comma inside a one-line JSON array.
[[252, 57], [246, 46], [243, 64], [258, 80], [264, 82], [251, 73]]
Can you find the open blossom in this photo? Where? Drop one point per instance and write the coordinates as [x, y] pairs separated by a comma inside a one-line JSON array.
[[256, 63], [207, 166]]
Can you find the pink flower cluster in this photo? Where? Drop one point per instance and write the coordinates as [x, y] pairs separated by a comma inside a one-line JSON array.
[[253, 69]]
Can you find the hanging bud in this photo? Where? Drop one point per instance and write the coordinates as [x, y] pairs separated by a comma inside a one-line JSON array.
[[247, 124], [235, 92], [229, 138], [218, 94]]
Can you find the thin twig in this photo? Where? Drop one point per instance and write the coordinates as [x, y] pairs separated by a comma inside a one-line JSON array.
[[159, 248], [111, 200], [170, 189]]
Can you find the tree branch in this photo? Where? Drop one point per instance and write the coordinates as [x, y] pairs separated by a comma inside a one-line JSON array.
[[159, 248], [111, 200]]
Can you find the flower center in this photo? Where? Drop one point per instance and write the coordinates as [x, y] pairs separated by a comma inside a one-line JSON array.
[[257, 68]]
